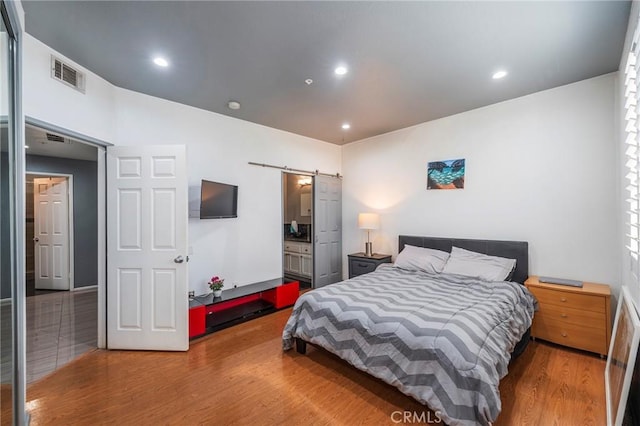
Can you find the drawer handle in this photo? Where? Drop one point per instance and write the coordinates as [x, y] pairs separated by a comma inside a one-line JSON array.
[[563, 334], [563, 299], [563, 315]]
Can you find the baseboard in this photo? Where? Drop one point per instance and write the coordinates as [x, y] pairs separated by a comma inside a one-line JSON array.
[[88, 287]]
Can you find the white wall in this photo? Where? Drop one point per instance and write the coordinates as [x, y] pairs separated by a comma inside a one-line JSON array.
[[249, 248], [628, 277], [540, 168], [242, 250], [91, 113]]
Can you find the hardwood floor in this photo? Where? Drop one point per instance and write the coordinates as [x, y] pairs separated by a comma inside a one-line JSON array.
[[241, 376], [553, 385]]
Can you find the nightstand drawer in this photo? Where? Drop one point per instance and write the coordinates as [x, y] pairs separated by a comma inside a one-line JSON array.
[[360, 264], [548, 312], [568, 299], [360, 267], [575, 336]]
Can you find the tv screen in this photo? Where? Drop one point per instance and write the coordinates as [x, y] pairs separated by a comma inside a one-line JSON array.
[[218, 200]]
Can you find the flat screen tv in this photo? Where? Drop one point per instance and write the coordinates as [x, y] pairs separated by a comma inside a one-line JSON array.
[[218, 200]]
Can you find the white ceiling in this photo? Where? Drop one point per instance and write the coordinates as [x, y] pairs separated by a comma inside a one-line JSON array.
[[409, 62]]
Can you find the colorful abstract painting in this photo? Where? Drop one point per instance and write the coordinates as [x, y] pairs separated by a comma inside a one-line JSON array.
[[447, 174]]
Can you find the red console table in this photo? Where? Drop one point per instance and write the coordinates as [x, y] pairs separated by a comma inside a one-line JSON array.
[[208, 314]]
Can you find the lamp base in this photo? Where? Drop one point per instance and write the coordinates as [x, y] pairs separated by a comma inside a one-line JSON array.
[[367, 250]]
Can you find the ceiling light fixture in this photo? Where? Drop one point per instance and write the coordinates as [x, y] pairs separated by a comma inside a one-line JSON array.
[[233, 105], [346, 126], [499, 74], [160, 61], [308, 81], [341, 70]]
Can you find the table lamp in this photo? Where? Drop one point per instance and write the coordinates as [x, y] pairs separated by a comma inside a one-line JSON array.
[[368, 221]]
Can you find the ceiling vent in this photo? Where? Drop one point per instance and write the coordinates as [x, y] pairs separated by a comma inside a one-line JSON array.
[[51, 137], [67, 74]]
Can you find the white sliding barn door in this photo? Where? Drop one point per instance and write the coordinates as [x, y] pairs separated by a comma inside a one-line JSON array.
[[51, 233], [147, 225], [327, 229]]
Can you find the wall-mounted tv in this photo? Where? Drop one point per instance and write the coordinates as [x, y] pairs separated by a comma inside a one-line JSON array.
[[218, 200]]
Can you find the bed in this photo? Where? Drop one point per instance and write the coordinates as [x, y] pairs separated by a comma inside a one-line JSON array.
[[444, 339]]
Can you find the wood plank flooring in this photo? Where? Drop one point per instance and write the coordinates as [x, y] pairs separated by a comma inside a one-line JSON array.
[[240, 376]]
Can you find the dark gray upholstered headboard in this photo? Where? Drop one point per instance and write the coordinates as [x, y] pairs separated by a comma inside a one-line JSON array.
[[518, 250]]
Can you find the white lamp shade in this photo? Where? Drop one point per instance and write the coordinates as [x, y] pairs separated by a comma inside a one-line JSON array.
[[368, 221]]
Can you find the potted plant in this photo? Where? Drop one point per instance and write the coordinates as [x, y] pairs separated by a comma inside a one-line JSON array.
[[216, 284]]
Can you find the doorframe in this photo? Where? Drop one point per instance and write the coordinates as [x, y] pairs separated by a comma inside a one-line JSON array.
[[102, 247], [102, 212], [283, 213], [70, 221]]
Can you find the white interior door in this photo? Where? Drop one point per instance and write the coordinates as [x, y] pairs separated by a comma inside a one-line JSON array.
[[327, 224], [51, 233], [147, 225]]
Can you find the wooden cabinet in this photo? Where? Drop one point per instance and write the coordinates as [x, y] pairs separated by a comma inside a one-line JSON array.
[[306, 268], [360, 264], [298, 259], [579, 317]]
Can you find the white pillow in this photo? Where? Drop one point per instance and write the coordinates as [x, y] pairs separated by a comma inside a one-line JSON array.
[[472, 264], [421, 259]]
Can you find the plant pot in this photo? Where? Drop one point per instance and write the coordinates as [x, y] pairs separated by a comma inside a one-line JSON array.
[[217, 293]]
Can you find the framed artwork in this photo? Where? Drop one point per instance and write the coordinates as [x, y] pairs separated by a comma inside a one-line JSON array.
[[447, 174], [621, 363]]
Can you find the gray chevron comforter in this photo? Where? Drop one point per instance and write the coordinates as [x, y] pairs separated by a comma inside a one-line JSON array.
[[445, 340]]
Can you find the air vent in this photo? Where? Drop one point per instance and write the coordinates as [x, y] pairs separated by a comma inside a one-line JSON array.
[[66, 74], [56, 138]]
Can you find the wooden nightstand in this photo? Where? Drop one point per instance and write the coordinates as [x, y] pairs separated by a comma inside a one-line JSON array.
[[360, 264], [579, 317]]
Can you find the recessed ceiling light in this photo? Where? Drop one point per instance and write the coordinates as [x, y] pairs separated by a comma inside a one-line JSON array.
[[160, 61], [341, 70], [233, 105], [499, 74], [346, 126], [308, 81]]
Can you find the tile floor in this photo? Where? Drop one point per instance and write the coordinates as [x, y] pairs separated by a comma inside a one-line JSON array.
[[60, 327]]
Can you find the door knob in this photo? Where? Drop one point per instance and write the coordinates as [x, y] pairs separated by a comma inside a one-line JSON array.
[[179, 259], [36, 239]]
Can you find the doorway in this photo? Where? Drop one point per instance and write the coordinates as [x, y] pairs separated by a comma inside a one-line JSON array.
[[61, 246], [297, 207], [49, 230], [312, 229]]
